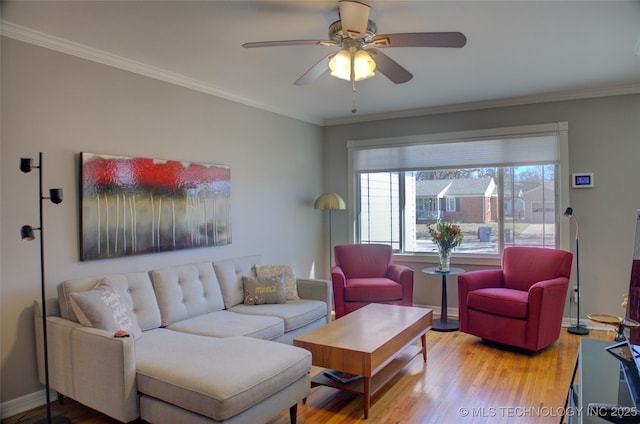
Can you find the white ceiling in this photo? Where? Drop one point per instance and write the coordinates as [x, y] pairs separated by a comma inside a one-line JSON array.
[[516, 52]]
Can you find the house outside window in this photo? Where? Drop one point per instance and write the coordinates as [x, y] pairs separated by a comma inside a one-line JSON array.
[[510, 198]]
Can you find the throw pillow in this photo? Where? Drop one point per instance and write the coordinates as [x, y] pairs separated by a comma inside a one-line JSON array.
[[258, 291], [102, 308], [287, 274]]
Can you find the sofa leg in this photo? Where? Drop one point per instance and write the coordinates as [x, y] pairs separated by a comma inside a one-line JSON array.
[[293, 413], [60, 398]]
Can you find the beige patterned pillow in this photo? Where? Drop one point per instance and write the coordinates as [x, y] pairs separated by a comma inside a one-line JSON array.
[[287, 274]]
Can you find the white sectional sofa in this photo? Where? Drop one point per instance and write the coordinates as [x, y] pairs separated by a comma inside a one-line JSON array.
[[202, 355]]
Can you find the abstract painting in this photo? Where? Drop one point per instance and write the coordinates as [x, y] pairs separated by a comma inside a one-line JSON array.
[[131, 206]]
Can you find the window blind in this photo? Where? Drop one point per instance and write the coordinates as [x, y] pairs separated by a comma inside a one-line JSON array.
[[457, 154]]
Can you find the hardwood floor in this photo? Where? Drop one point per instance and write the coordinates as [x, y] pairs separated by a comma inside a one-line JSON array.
[[462, 376]]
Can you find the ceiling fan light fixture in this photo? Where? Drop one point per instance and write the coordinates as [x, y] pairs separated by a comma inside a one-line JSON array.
[[340, 65], [363, 65]]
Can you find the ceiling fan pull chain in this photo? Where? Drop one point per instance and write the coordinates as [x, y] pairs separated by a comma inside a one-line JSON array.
[[352, 66], [353, 80], [353, 96]]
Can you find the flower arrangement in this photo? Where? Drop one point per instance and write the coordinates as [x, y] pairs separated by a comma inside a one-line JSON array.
[[446, 236]]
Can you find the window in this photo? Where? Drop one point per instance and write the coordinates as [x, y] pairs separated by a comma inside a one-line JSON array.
[[451, 204], [379, 202], [503, 189]]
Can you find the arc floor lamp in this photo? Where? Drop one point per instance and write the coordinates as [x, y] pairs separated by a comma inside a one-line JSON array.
[[330, 202], [578, 329], [27, 234]]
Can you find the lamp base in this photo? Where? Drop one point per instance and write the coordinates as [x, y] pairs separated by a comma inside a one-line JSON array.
[[580, 330]]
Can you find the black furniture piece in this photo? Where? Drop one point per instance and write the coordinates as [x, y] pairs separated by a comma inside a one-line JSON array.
[[444, 323]]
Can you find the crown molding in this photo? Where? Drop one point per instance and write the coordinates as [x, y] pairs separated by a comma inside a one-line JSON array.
[[489, 104], [62, 45]]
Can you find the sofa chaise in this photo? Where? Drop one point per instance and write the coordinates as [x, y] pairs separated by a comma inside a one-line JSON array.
[[195, 351]]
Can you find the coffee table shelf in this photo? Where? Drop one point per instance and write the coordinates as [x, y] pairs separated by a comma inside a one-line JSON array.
[[377, 381]]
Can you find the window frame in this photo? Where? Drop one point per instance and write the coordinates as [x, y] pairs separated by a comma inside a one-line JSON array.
[[559, 129]]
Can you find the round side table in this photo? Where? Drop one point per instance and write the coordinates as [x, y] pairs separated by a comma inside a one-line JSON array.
[[444, 324]]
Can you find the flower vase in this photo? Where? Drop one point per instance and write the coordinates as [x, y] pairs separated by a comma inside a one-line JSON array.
[[445, 259]]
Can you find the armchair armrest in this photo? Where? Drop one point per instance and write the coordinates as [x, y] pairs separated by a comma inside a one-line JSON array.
[[404, 276], [546, 301], [399, 273], [316, 289], [338, 281], [541, 285], [538, 292], [80, 356], [482, 279]]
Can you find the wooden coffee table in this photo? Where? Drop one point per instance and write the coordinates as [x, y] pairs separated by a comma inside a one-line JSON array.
[[375, 342]]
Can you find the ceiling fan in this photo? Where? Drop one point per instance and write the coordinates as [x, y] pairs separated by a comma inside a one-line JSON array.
[[360, 47]]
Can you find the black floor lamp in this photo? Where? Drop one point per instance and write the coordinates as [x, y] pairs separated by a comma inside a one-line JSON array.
[[578, 329], [26, 232]]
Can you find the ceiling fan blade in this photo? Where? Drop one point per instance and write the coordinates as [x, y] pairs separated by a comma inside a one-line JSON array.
[[289, 43], [420, 39], [355, 18], [390, 68], [315, 72]]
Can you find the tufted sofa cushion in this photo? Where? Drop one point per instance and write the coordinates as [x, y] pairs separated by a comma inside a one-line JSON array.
[[186, 291]]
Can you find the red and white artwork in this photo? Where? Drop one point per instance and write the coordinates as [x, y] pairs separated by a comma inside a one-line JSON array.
[[133, 206]]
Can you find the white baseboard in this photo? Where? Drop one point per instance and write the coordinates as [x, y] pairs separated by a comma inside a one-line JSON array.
[[24, 403], [451, 312]]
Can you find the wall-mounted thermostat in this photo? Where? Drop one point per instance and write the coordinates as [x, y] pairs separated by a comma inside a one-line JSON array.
[[583, 180]]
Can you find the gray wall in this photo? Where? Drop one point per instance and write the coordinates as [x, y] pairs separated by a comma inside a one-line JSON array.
[[604, 138], [63, 105]]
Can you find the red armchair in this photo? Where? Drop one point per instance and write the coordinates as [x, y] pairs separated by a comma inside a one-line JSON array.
[[364, 274], [520, 304]]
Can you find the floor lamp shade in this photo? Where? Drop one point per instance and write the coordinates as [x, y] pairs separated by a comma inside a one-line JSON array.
[[27, 234], [330, 202]]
